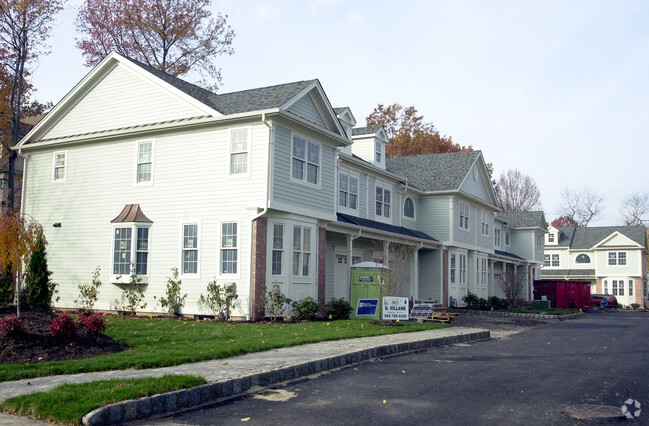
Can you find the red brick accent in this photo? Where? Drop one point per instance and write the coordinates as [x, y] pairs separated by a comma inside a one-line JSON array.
[[322, 265], [444, 278], [259, 243]]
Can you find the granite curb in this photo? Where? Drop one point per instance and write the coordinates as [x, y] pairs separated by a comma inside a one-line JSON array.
[[170, 402], [518, 314]]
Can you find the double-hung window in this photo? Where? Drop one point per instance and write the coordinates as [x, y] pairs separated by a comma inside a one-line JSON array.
[[555, 260], [617, 258], [306, 161], [348, 191], [546, 260], [239, 151], [189, 248], [453, 267], [378, 148], [497, 237], [484, 219], [131, 250], [144, 173], [60, 162], [464, 216], [615, 288], [301, 251], [630, 287], [229, 248], [278, 249], [383, 202], [462, 268]]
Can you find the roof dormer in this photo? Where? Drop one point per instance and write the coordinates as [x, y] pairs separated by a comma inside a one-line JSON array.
[[552, 237], [369, 144]]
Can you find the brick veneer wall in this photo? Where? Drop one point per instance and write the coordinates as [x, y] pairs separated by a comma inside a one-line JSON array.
[[259, 232]]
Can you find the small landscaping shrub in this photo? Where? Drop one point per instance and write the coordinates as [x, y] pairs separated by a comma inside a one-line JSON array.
[[12, 327], [88, 293], [174, 301], [94, 323], [306, 309], [338, 309], [219, 299], [635, 305], [63, 327], [275, 302], [133, 293], [498, 303], [39, 289]]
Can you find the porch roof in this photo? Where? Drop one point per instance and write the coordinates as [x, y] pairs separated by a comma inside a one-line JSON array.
[[385, 227], [507, 254], [567, 272]]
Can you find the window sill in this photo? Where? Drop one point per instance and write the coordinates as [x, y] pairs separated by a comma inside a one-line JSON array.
[[125, 281]]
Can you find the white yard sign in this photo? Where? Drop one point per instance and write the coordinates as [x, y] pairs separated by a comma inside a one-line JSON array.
[[395, 308]]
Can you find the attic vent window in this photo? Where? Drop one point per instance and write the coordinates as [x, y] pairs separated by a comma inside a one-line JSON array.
[[583, 258]]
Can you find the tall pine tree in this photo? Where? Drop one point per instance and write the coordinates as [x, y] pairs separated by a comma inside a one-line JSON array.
[[39, 289]]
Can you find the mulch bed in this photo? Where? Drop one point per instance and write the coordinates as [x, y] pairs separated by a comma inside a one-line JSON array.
[[40, 346]]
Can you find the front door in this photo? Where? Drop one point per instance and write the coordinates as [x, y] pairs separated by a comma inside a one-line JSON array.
[[341, 277]]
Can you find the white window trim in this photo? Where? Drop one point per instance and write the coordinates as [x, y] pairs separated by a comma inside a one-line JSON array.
[[134, 226], [198, 256], [358, 185], [304, 180], [137, 161], [385, 187], [238, 248], [271, 228], [65, 167], [466, 216], [414, 208], [248, 130], [311, 252]]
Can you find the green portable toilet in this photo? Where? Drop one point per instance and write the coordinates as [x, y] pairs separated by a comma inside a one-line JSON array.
[[366, 289]]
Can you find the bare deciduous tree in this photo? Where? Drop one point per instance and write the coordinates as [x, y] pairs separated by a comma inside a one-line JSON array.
[[517, 192], [395, 281], [512, 282], [635, 209], [581, 205]]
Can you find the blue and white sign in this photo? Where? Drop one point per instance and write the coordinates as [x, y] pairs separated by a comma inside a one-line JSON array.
[[395, 308], [367, 307]]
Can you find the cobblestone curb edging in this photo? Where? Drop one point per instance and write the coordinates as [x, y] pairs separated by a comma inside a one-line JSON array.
[[517, 314], [170, 402]]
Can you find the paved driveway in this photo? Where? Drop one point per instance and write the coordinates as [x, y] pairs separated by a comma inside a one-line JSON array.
[[524, 378]]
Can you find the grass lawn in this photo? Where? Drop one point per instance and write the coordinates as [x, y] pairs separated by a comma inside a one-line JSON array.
[[69, 403], [165, 342]]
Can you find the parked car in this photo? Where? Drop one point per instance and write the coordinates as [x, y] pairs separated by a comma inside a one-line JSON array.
[[605, 300]]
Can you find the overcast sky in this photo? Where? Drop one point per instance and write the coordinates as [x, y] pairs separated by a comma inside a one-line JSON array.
[[556, 89]]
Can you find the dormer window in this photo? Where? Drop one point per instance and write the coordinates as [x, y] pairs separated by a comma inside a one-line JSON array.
[[379, 152], [550, 238]]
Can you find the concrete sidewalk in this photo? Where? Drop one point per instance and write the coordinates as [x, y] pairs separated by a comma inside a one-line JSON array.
[[231, 376]]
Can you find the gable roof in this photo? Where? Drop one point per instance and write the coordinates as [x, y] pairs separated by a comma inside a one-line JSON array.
[[235, 102], [524, 219], [370, 130], [434, 172], [584, 238]]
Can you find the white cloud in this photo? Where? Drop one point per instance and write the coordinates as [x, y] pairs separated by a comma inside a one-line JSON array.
[[314, 6], [267, 10], [354, 18]]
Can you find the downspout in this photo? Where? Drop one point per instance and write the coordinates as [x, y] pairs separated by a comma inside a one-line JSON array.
[[271, 143]]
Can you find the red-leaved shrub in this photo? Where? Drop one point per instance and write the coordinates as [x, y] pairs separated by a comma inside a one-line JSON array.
[[63, 327], [12, 327], [94, 323]]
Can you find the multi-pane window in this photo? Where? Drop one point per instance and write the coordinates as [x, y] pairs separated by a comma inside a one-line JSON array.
[[229, 247], [409, 208], [630, 287], [555, 260], [130, 253], [605, 287], [190, 248], [239, 151], [462, 268], [278, 249], [617, 258], [621, 287], [453, 266], [539, 242], [464, 216], [378, 148], [497, 237], [60, 159], [144, 161], [348, 191], [550, 238], [615, 288], [383, 201], [506, 238], [301, 251], [546, 260], [306, 160], [482, 271], [484, 219]]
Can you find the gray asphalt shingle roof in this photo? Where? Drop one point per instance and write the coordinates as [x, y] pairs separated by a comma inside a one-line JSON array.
[[524, 219], [567, 272], [370, 130], [434, 172], [587, 237], [234, 102]]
